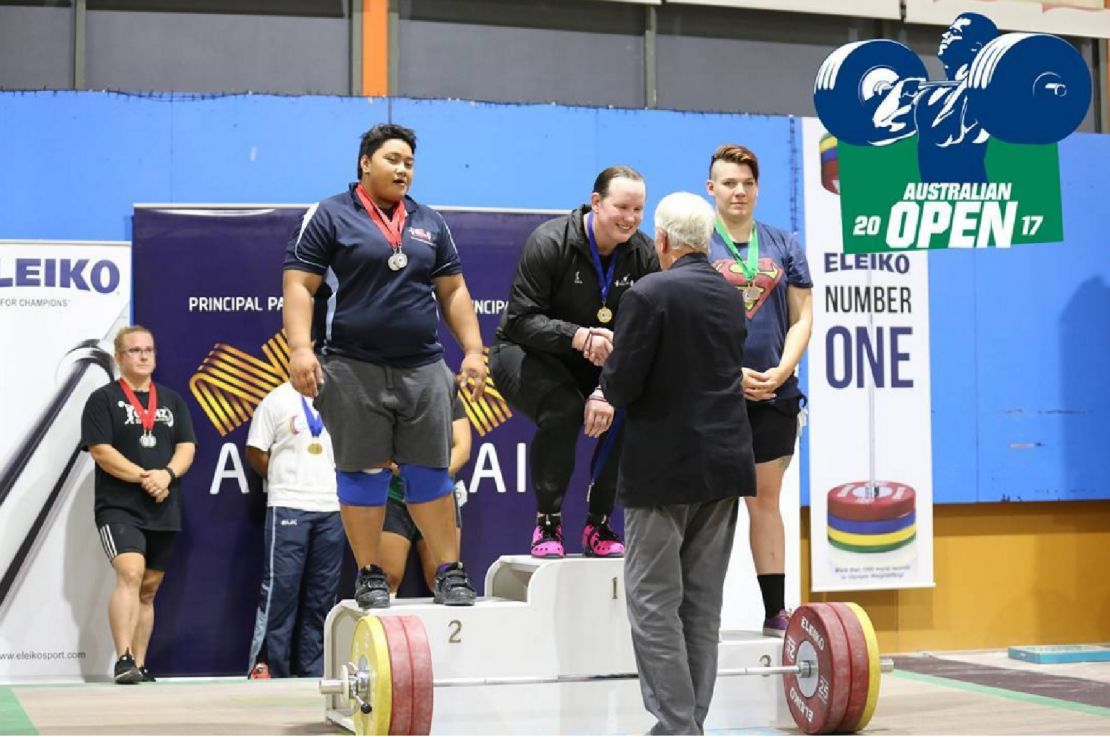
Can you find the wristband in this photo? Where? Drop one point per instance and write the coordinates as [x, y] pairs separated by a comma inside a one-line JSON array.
[[173, 476]]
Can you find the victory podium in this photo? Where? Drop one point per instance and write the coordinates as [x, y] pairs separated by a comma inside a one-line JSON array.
[[544, 653]]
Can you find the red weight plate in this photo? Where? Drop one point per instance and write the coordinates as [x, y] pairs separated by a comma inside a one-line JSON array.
[[857, 654], [851, 501], [400, 662], [817, 702], [423, 682]]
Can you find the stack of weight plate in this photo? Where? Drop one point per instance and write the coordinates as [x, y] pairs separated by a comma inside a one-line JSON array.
[[872, 517]]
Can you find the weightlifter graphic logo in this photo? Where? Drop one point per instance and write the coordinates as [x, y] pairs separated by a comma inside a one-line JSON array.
[[969, 161]]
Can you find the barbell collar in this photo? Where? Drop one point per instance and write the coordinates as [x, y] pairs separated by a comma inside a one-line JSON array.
[[335, 686]]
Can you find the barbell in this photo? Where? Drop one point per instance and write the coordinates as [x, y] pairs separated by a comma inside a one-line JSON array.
[[830, 667], [1026, 88]]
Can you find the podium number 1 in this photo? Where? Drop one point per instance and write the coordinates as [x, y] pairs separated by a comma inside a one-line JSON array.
[[614, 588]]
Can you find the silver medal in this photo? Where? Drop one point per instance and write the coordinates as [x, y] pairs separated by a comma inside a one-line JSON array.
[[398, 261], [147, 440]]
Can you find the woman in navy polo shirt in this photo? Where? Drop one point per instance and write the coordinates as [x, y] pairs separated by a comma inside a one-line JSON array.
[[364, 275]]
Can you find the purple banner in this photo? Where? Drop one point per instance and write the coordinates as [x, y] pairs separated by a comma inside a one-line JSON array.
[[208, 284]]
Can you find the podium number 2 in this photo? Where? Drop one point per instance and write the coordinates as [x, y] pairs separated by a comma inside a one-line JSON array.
[[456, 634]]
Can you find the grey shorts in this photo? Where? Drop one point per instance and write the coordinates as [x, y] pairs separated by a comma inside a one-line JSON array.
[[377, 413]]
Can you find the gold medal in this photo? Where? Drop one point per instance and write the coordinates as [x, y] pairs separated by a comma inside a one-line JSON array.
[[315, 448], [605, 315], [751, 293]]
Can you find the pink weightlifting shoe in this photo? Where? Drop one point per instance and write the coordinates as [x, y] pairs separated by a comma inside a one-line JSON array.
[[599, 541], [547, 538]]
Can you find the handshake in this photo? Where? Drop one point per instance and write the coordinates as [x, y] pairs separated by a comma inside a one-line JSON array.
[[595, 344]]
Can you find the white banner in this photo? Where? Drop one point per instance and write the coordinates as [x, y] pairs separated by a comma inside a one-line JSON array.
[[743, 604], [870, 450], [60, 306]]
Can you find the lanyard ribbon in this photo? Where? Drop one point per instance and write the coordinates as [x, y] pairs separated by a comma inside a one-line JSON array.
[[604, 277], [146, 416], [606, 446], [751, 266], [392, 228], [315, 422]]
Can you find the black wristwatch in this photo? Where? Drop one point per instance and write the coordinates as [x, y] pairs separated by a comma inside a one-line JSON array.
[[173, 476]]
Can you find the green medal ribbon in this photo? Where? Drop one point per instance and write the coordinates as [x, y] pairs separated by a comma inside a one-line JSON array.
[[751, 266]]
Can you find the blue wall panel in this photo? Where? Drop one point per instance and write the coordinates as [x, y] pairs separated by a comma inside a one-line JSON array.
[[1042, 323], [1020, 351], [267, 149], [484, 155], [1020, 341], [71, 164], [672, 150], [952, 353]]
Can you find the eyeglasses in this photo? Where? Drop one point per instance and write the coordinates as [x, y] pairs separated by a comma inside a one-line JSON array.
[[139, 351]]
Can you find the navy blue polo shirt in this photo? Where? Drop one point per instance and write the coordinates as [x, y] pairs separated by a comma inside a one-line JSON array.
[[363, 309]]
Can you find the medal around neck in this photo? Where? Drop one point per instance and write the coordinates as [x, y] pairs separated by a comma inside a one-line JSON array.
[[398, 261], [146, 415], [604, 277], [750, 265], [315, 426]]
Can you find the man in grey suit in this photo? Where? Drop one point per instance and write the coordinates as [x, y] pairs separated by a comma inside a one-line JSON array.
[[676, 369]]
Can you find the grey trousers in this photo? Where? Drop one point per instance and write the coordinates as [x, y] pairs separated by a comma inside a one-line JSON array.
[[674, 573]]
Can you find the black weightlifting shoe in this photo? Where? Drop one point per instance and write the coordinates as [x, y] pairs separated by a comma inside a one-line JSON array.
[[372, 588], [453, 587], [126, 671]]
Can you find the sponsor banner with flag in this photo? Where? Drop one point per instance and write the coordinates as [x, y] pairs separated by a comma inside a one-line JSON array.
[[870, 441], [60, 306]]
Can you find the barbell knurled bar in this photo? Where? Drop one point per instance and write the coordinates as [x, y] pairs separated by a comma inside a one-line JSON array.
[[803, 668]]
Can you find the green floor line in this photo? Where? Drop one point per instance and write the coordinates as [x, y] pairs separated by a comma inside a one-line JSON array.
[[1004, 693], [13, 720], [168, 681]]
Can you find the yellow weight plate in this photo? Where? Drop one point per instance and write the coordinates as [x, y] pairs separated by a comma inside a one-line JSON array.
[[890, 538], [370, 652], [873, 669]]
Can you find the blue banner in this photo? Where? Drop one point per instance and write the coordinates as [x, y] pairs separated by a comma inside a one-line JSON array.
[[207, 283]]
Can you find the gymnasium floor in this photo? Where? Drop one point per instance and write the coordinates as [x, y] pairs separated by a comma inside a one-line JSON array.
[[982, 692]]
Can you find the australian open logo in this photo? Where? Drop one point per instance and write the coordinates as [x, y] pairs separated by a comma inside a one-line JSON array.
[[969, 161]]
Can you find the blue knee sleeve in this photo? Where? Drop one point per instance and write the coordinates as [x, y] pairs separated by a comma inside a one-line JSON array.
[[362, 489], [423, 484]]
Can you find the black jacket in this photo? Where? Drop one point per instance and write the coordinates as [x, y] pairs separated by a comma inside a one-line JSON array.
[[556, 289], [676, 369]]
